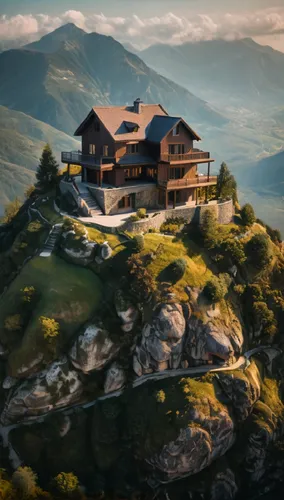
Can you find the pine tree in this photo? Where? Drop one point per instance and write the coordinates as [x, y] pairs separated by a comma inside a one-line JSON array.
[[48, 169], [226, 184], [209, 229]]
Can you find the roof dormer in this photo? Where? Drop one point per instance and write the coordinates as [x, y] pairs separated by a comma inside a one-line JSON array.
[[131, 126]]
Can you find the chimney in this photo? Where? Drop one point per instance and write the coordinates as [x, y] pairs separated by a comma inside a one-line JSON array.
[[137, 106]]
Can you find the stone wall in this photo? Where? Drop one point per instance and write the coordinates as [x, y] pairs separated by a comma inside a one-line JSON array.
[[223, 211], [107, 199]]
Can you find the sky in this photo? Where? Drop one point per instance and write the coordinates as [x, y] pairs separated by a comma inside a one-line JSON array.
[[144, 22]]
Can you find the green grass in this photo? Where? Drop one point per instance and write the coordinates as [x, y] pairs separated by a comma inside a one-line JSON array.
[[67, 293], [114, 241], [197, 272]]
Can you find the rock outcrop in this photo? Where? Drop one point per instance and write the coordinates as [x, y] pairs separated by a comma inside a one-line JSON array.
[[212, 336], [125, 311], [103, 252], [224, 486], [196, 446], [115, 378], [93, 349], [242, 388], [162, 340], [77, 247], [55, 387]]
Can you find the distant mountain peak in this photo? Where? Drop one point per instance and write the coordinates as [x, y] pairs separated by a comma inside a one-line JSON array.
[[67, 28], [53, 41]]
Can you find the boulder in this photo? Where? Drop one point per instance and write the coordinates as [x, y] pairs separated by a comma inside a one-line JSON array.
[[103, 252], [213, 336], [93, 349], [243, 388], [9, 382], [55, 387], [195, 448], [224, 486], [125, 311], [115, 379], [162, 340]]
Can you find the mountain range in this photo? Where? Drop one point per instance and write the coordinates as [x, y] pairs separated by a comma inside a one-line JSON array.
[[22, 139], [59, 79], [239, 72], [232, 96]]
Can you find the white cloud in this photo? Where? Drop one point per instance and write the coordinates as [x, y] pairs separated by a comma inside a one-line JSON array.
[[168, 28]]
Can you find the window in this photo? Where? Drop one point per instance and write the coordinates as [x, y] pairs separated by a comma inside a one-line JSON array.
[[176, 149], [125, 202], [133, 173], [132, 149], [97, 126], [92, 149], [105, 150], [176, 130]]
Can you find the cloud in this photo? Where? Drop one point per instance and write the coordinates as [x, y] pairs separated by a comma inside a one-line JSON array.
[[167, 28]]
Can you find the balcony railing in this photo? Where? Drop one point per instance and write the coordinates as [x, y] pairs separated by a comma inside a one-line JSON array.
[[77, 158], [196, 181], [194, 156]]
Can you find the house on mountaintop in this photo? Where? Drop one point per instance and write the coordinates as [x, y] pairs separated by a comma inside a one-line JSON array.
[[139, 156]]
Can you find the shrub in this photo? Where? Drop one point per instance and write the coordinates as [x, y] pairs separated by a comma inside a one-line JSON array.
[[274, 234], [265, 317], [68, 225], [257, 249], [217, 287], [248, 215], [13, 323], [209, 229], [134, 218], [178, 268], [138, 243], [11, 210], [28, 294], [34, 227], [49, 327], [24, 481], [239, 289], [66, 483], [153, 230], [161, 396], [235, 249], [143, 285], [80, 231], [169, 228], [141, 213]]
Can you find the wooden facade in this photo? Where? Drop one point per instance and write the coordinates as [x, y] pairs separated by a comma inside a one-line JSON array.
[[114, 160]]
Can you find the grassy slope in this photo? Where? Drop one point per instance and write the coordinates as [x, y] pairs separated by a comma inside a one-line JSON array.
[[22, 140], [197, 272], [68, 294]]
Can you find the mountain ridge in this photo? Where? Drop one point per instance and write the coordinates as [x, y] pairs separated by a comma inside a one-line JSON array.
[[68, 82]]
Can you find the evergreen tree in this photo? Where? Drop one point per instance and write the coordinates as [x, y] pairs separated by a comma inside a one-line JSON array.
[[247, 215], [48, 169], [226, 184], [209, 229]]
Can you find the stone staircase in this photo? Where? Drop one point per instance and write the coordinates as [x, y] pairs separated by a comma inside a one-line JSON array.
[[91, 203], [51, 241]]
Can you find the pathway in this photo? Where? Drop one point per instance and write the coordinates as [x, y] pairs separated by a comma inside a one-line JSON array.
[[52, 238]]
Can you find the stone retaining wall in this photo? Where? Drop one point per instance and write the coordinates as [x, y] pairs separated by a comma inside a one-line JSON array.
[[146, 196], [223, 211]]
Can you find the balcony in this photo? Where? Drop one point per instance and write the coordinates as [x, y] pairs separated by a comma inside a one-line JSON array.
[[199, 181], [77, 158], [193, 157]]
